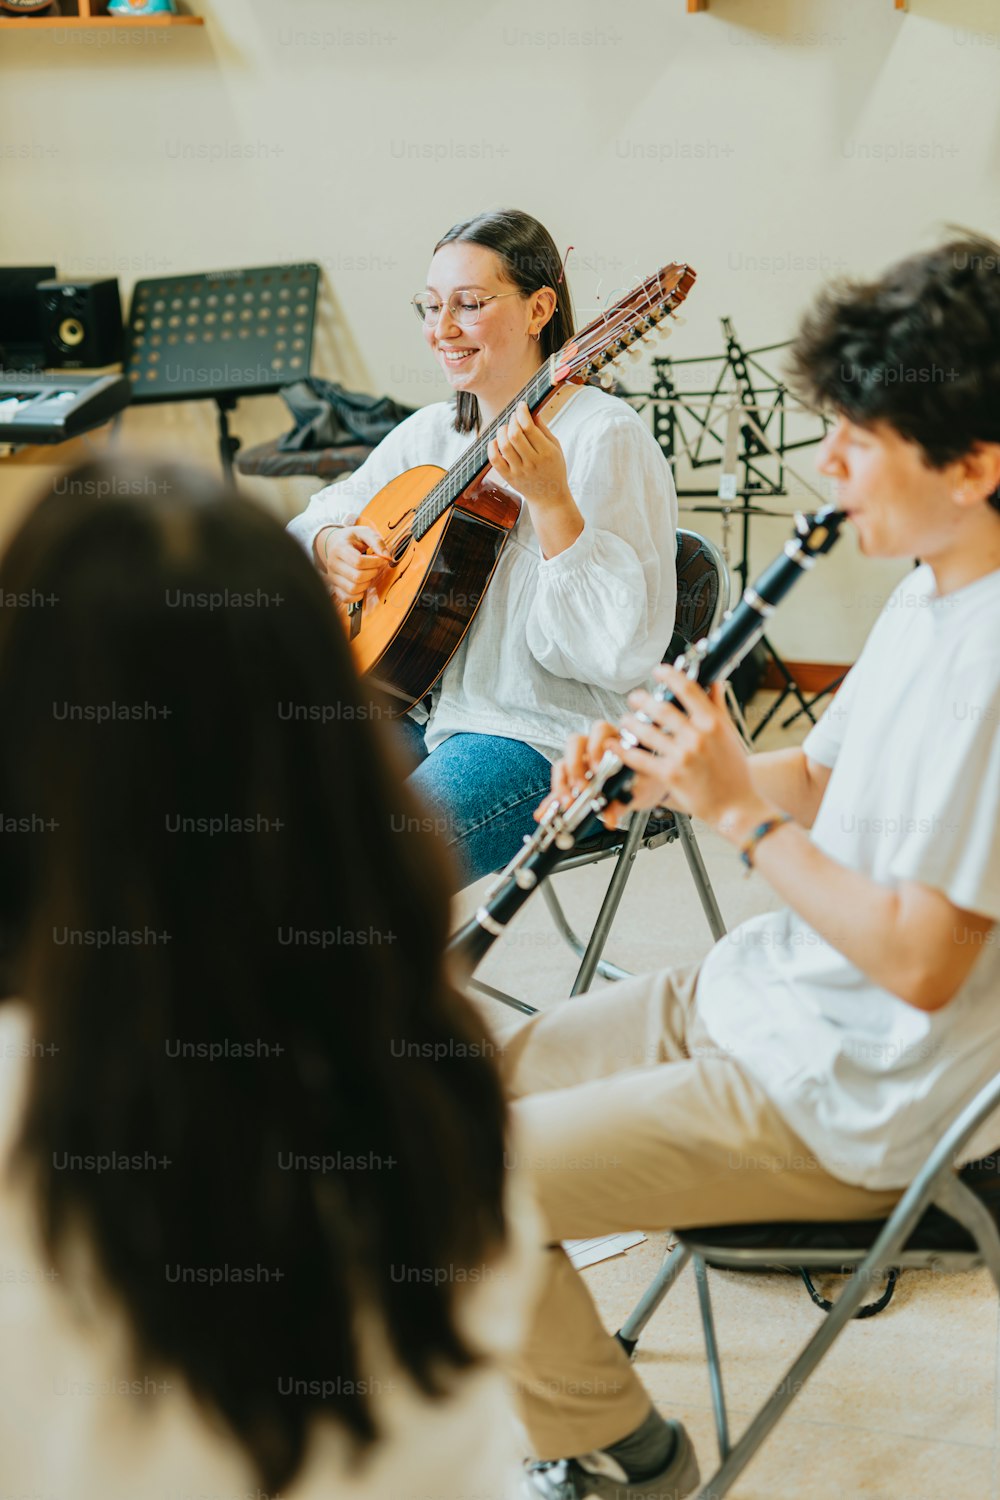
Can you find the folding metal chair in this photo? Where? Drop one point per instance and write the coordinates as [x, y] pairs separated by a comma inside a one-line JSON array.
[[703, 589], [945, 1221]]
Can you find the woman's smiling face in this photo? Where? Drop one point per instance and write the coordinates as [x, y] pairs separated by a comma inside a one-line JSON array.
[[495, 355]]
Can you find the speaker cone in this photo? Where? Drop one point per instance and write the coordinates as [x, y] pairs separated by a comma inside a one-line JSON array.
[[71, 332]]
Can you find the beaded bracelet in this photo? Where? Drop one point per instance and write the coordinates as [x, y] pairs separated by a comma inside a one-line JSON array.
[[761, 832]]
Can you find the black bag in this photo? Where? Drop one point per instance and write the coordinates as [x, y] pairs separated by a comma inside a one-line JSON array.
[[328, 416]]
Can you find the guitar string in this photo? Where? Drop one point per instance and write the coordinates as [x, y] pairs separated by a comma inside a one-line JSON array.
[[444, 493], [437, 501]]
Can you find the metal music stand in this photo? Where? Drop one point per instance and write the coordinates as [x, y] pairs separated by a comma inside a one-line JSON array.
[[220, 335], [831, 687], [756, 439]]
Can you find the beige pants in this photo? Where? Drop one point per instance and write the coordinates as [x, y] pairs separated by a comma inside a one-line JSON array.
[[628, 1117]]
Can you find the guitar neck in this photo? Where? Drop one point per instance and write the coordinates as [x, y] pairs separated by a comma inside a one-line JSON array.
[[474, 463]]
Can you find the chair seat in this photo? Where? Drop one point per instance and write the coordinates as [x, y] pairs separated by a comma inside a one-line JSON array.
[[272, 462], [937, 1231], [660, 829]]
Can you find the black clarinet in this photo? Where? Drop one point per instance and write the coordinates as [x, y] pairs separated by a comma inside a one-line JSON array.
[[561, 828]]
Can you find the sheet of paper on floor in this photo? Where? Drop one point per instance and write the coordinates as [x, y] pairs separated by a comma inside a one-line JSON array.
[[601, 1247]]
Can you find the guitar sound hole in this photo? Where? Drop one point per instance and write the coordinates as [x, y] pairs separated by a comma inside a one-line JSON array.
[[400, 549]]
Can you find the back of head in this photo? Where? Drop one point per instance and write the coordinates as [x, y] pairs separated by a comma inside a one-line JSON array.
[[230, 927], [918, 348]]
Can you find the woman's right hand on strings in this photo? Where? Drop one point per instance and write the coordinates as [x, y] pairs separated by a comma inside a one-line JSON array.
[[351, 558]]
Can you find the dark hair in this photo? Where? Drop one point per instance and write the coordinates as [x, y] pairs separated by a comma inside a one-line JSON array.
[[251, 1007], [919, 349], [528, 255]]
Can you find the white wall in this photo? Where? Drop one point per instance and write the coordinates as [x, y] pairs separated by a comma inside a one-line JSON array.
[[771, 143]]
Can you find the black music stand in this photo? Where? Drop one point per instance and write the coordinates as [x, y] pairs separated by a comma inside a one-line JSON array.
[[831, 687], [685, 425], [220, 335]]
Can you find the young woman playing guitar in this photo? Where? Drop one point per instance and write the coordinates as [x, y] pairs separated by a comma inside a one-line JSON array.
[[581, 606]]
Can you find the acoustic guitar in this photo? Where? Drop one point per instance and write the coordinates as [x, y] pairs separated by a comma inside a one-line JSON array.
[[445, 529]]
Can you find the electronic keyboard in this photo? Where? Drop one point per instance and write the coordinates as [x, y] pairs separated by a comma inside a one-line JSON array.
[[51, 408]]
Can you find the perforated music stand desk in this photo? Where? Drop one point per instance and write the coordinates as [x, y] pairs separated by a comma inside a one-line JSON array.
[[220, 335]]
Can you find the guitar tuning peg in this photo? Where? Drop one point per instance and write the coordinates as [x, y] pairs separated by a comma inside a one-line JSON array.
[[607, 378], [676, 318], [635, 355]]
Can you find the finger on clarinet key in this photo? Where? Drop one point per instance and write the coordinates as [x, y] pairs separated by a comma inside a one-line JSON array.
[[613, 814], [565, 774], [648, 735], [603, 736], [688, 693], [643, 702], [576, 760], [550, 801]]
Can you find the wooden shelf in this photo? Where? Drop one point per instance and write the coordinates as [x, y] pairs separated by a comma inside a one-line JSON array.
[[84, 18], [696, 5]]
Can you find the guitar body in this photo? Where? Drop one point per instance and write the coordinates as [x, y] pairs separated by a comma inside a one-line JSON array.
[[413, 622]]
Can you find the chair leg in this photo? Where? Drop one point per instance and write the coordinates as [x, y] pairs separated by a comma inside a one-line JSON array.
[[958, 1200], [784, 1394], [605, 968], [699, 875], [673, 1264], [738, 717], [502, 995], [612, 900], [712, 1353]]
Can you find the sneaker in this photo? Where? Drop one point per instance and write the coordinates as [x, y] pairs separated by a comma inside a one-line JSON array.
[[597, 1476]]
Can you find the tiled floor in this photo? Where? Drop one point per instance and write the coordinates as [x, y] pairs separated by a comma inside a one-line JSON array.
[[905, 1405]]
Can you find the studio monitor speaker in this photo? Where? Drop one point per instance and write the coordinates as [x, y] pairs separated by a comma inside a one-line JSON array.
[[81, 323]]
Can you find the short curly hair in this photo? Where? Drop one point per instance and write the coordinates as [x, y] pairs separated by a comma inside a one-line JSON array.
[[919, 348]]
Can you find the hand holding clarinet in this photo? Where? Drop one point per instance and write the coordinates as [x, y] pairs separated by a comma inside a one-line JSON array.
[[692, 761]]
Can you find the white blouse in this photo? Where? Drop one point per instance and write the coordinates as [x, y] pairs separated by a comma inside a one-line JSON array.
[[557, 642]]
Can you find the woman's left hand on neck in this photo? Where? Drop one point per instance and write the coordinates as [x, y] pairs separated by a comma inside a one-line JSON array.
[[525, 455]]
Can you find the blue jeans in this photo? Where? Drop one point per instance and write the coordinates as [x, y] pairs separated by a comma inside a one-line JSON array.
[[481, 791]]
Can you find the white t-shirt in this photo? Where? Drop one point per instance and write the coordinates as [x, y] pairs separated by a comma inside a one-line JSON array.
[[913, 737], [557, 642], [77, 1422]]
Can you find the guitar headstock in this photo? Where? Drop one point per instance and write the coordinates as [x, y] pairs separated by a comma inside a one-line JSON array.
[[630, 324]]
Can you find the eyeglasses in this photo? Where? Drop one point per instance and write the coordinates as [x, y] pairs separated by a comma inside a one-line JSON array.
[[464, 307]]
